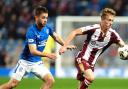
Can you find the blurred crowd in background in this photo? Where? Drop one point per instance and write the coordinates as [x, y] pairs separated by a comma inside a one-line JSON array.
[[17, 15]]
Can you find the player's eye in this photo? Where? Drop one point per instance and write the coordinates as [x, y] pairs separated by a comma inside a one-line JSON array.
[[44, 17]]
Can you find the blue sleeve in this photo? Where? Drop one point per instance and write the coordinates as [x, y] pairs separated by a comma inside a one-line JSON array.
[[30, 37], [51, 31]]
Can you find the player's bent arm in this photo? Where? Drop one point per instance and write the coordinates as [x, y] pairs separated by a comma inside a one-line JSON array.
[[72, 35], [58, 38], [34, 51], [70, 38]]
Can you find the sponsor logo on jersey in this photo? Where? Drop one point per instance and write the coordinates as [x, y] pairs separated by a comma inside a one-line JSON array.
[[42, 43], [97, 44]]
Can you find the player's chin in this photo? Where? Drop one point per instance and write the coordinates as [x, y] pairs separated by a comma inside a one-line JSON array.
[[43, 25], [108, 27]]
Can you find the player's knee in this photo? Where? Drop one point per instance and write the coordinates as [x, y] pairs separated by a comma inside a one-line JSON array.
[[13, 83], [50, 81], [91, 78], [87, 81]]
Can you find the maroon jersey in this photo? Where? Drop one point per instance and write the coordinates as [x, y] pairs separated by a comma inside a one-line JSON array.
[[96, 43]]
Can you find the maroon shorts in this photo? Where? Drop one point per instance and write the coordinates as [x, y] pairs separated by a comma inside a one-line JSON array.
[[86, 65]]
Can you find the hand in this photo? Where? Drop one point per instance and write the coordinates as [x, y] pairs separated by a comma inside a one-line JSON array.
[[62, 50], [81, 66], [71, 47], [52, 56]]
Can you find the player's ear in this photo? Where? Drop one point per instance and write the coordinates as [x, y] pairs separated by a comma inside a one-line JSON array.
[[35, 17], [102, 17]]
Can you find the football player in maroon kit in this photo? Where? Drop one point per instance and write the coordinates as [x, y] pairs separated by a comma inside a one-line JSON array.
[[99, 38]]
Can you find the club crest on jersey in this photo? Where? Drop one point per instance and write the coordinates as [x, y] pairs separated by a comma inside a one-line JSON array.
[[47, 31], [30, 40]]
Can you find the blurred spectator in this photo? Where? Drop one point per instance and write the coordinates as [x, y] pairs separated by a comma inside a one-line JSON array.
[[2, 57], [53, 7], [94, 7]]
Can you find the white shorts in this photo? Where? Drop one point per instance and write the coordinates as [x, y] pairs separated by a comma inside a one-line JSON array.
[[24, 67]]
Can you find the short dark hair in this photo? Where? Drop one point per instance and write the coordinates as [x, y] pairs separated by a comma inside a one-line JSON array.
[[39, 10]]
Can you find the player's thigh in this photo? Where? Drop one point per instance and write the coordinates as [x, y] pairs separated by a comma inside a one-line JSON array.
[[19, 71], [41, 71], [89, 74]]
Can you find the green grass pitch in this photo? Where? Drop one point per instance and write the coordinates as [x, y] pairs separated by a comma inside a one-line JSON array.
[[69, 83]]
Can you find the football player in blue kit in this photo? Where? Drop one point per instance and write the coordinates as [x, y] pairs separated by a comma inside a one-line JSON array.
[[30, 58]]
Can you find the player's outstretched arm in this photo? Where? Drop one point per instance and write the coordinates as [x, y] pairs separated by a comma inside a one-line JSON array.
[[71, 36], [59, 39]]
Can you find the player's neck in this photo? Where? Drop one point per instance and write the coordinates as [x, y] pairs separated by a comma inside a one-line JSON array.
[[39, 27], [103, 30]]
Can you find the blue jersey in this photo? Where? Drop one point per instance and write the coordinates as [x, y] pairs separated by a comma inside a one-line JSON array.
[[38, 37]]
